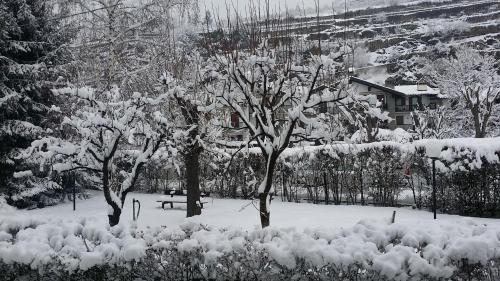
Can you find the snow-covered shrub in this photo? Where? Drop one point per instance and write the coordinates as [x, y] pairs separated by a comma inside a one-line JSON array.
[[342, 173], [83, 250], [445, 27], [4, 207], [397, 135]]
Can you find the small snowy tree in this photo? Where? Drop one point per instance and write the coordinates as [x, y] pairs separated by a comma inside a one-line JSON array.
[[367, 115], [112, 136], [470, 78], [186, 83], [420, 123], [277, 103], [432, 123]]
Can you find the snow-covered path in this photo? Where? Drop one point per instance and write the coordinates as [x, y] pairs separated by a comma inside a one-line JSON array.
[[229, 213]]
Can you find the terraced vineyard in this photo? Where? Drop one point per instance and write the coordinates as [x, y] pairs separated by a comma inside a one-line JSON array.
[[392, 36]]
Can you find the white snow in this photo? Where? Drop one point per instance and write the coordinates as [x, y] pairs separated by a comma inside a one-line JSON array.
[[229, 213], [397, 135], [414, 248], [413, 90], [23, 174], [5, 208]]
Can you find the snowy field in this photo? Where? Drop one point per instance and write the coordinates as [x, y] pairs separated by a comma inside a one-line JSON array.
[[223, 213]]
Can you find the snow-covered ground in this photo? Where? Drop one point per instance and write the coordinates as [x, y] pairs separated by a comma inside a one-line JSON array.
[[222, 213], [303, 238]]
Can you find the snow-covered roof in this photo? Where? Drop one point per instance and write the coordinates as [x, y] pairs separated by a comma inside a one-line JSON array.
[[414, 90], [374, 85], [403, 90]]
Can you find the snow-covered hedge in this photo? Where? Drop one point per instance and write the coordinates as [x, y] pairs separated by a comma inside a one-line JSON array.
[[383, 173], [56, 250]]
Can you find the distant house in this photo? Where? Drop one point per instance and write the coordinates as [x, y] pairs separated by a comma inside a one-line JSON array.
[[400, 101]]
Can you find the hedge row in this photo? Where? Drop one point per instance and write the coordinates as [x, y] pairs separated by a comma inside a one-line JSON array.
[[382, 173], [57, 250]]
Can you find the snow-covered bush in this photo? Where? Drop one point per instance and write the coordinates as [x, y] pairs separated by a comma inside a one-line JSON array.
[[348, 173], [397, 135], [84, 250], [4, 207], [445, 27]]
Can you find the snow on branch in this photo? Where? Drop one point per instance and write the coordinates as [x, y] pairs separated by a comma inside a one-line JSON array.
[[106, 129]]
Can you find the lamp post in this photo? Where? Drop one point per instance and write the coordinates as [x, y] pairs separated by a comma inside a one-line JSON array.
[[72, 182], [433, 150], [434, 186]]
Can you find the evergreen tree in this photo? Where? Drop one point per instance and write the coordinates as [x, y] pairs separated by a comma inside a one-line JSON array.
[[32, 54]]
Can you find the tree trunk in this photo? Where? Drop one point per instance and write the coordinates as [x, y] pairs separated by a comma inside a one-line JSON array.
[[264, 211], [263, 196], [191, 160], [115, 211], [371, 129], [361, 187], [285, 190], [325, 183], [478, 128], [192, 156], [114, 218]]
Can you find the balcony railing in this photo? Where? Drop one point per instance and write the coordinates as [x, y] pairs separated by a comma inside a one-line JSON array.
[[407, 108]]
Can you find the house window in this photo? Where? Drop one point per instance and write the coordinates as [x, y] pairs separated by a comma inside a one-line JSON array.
[[235, 120], [400, 120], [400, 101], [415, 103], [369, 89], [401, 104]]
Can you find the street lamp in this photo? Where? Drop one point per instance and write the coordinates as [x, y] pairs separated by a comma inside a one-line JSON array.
[[433, 150]]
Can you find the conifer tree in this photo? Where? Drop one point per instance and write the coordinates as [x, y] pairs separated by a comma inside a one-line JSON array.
[[31, 57]]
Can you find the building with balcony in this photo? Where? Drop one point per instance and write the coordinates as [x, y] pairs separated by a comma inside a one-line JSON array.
[[400, 101]]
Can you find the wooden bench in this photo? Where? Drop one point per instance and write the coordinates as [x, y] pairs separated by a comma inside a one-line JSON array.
[[181, 197]]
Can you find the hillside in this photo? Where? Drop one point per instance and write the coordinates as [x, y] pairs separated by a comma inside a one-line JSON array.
[[390, 37]]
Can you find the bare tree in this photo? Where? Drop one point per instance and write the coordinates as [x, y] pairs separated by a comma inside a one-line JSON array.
[[432, 123], [470, 78], [277, 102]]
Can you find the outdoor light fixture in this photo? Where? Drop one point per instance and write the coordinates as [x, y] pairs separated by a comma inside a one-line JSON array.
[[433, 150]]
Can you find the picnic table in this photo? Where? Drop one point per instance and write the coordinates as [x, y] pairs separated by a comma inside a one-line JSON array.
[[180, 196]]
